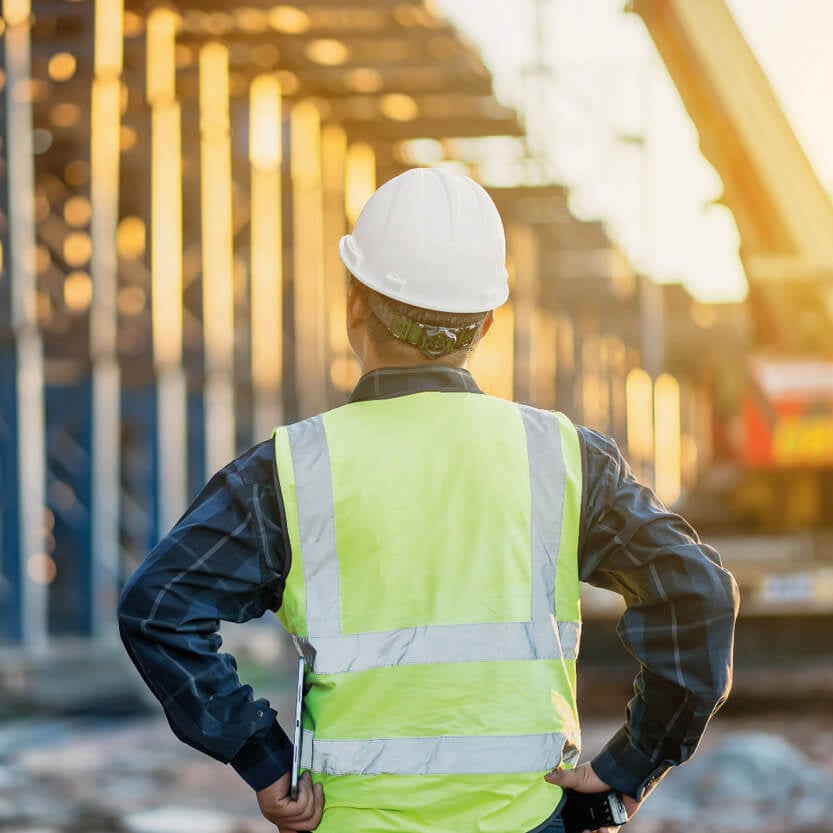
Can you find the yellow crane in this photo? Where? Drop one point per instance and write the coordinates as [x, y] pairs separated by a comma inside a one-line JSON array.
[[783, 213], [785, 220]]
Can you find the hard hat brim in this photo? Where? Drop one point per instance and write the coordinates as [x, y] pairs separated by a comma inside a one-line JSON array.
[[396, 288]]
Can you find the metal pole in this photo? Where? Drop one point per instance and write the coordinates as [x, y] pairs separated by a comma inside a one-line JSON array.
[[31, 449], [265, 156], [308, 267], [523, 251], [106, 376], [217, 258], [166, 266], [333, 177]]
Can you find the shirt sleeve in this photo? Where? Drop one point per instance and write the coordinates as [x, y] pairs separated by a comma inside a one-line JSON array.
[[681, 606], [225, 559]]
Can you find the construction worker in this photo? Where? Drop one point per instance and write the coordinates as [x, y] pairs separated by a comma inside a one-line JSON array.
[[424, 545]]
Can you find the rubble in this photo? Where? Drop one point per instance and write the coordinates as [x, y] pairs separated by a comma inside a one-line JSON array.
[[747, 781], [179, 820], [115, 777]]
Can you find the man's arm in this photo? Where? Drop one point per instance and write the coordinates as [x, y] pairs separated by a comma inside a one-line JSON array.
[[225, 559], [679, 621]]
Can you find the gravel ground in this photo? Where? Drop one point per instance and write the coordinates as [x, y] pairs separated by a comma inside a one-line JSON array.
[[770, 773]]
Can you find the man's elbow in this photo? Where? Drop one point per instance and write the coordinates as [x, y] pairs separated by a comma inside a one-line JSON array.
[[721, 601], [125, 618], [723, 680], [723, 614], [732, 592], [129, 613]]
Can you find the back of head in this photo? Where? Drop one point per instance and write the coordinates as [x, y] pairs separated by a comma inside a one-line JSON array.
[[430, 252]]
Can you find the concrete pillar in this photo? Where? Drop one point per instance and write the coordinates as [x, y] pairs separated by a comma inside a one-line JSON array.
[[217, 257], [266, 224], [522, 246], [333, 175], [544, 360], [166, 267], [652, 326], [308, 267], [28, 577], [106, 377]]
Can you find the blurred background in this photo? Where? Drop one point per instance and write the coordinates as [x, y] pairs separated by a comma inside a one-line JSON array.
[[174, 178]]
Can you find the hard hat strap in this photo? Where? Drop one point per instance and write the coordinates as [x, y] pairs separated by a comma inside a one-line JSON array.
[[431, 340]]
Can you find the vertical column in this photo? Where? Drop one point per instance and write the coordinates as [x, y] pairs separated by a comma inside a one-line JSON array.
[[542, 392], [166, 265], [308, 267], [595, 383], [667, 438], [523, 251], [217, 268], [652, 349], [265, 157], [106, 411], [333, 178], [358, 172], [359, 179], [688, 444], [492, 364], [639, 397], [652, 325], [600, 369], [29, 384], [616, 387], [696, 428], [9, 546], [566, 398]]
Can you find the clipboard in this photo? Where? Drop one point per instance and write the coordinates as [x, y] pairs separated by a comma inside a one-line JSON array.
[[296, 744]]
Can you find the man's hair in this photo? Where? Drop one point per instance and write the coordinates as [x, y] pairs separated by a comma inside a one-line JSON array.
[[384, 339]]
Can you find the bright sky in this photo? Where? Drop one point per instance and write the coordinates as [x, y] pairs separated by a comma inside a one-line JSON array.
[[610, 86]]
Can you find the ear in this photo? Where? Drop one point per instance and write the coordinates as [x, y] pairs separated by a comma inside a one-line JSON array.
[[357, 309], [487, 323]]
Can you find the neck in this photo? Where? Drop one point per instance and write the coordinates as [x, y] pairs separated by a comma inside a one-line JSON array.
[[376, 361]]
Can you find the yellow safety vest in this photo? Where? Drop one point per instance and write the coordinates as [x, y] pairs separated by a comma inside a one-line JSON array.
[[434, 593]]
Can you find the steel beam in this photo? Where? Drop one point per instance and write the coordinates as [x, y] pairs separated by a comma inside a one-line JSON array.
[[30, 435], [106, 375]]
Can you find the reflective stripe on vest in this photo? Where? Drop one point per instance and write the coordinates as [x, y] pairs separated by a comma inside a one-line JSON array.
[[479, 642], [472, 755], [329, 651]]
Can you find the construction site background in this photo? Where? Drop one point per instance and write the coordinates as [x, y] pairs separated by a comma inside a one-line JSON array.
[[174, 179]]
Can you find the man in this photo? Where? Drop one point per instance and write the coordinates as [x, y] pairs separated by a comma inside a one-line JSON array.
[[424, 544]]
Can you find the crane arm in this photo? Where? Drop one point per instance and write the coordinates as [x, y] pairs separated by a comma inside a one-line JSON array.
[[783, 213]]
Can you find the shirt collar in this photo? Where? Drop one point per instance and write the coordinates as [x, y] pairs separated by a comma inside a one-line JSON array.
[[389, 382]]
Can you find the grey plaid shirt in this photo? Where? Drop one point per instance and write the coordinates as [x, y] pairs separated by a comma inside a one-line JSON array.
[[228, 556]]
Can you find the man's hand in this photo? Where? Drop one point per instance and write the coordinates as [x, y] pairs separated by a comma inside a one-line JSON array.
[[582, 779], [292, 816]]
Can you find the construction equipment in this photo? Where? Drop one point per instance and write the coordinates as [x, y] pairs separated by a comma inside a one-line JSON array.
[[780, 424]]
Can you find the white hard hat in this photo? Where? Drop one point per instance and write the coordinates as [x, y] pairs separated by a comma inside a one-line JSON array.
[[431, 239]]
